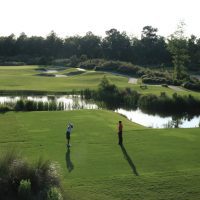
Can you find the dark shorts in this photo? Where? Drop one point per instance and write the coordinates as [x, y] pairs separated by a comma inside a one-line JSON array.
[[68, 135]]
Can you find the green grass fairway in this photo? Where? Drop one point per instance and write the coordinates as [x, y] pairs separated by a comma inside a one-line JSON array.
[[167, 160], [26, 78]]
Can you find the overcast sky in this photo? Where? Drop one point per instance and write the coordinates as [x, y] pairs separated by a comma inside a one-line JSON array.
[[70, 17]]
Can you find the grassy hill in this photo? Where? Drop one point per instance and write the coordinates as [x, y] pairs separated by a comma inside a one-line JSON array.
[[18, 78], [29, 78], [154, 163]]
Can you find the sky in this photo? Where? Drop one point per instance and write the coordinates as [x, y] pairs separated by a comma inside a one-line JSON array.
[[77, 17]]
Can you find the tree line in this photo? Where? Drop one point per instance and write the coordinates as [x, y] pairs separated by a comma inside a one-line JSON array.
[[151, 49]]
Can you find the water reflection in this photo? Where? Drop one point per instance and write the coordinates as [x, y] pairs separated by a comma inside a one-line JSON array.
[[74, 102], [156, 121], [70, 102]]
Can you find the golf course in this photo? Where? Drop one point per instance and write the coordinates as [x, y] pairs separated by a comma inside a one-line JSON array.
[[151, 164]]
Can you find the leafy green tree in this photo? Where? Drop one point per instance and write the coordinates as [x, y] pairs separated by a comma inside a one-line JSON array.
[[194, 52], [90, 45], [108, 92], [21, 43], [153, 47], [177, 45], [7, 45], [72, 46], [150, 33], [116, 45], [53, 45], [35, 46]]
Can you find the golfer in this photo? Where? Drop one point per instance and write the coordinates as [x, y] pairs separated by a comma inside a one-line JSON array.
[[120, 127], [68, 133]]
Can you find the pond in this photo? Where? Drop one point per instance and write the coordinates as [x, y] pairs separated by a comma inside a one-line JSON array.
[[74, 102], [70, 102], [156, 121]]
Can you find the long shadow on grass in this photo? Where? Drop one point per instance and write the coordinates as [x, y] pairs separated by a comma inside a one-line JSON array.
[[69, 163], [130, 162]]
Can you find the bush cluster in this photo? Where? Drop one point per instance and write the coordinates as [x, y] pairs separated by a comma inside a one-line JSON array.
[[11, 63], [27, 105], [91, 64], [155, 80], [192, 85], [114, 98], [4, 108], [111, 97], [164, 104], [115, 66], [21, 180], [148, 76]]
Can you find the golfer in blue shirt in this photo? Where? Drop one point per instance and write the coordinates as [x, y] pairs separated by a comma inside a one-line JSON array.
[[68, 133]]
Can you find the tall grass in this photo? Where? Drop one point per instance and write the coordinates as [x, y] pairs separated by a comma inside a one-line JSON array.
[[27, 105], [16, 173]]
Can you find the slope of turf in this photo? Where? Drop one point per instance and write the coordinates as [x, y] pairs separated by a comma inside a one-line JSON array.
[[27, 78], [153, 164]]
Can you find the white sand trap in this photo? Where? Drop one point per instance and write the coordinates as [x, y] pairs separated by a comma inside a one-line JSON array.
[[176, 88], [50, 71], [80, 69], [60, 75], [132, 80]]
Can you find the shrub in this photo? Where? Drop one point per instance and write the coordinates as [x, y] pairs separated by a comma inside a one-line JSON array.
[[165, 105], [41, 106], [87, 65], [73, 61], [108, 93], [115, 66], [155, 80], [54, 194], [145, 101], [6, 160], [60, 106], [52, 106], [7, 184], [12, 63], [44, 175], [129, 98], [61, 62], [19, 106], [118, 66], [24, 190], [19, 170], [24, 105], [192, 86], [176, 82], [20, 178], [4, 108], [30, 106], [88, 94]]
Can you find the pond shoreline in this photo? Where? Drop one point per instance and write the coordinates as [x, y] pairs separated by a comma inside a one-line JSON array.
[[38, 92], [75, 102]]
